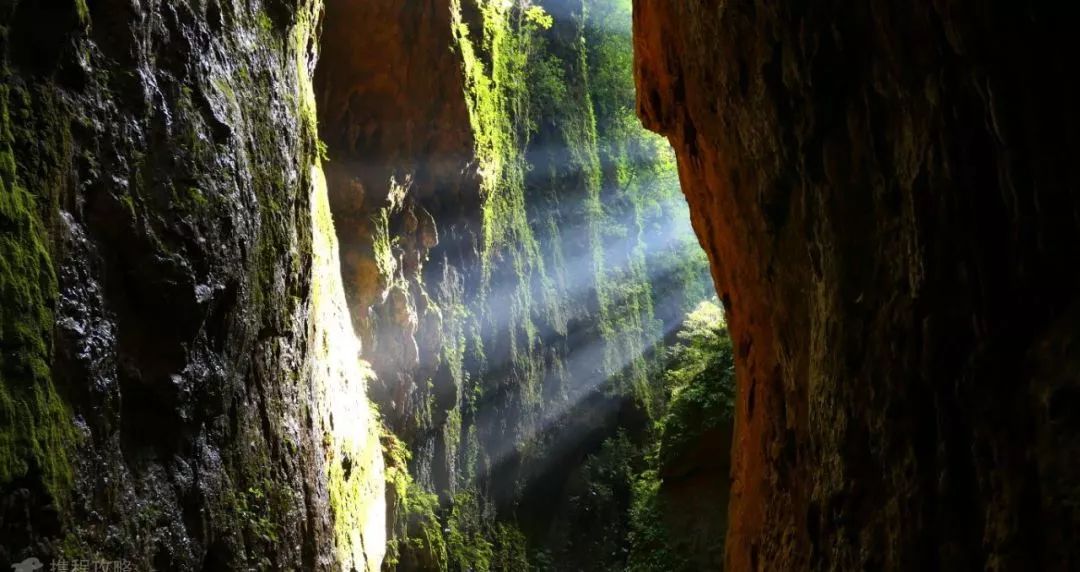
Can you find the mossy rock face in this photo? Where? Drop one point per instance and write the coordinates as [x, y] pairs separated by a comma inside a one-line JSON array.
[[157, 401], [500, 266], [161, 300], [36, 431]]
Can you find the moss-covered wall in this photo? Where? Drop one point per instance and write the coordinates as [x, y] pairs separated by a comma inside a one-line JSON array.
[[175, 373], [353, 452], [36, 431], [510, 257]]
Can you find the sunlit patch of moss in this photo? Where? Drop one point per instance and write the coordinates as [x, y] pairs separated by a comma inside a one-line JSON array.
[[416, 529], [351, 446], [383, 243], [266, 25], [303, 47], [496, 92]]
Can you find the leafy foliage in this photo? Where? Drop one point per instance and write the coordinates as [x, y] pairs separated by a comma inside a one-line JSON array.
[[700, 379], [651, 548], [701, 392]]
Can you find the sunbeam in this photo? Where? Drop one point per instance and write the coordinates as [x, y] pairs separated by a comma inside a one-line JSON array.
[[510, 281]]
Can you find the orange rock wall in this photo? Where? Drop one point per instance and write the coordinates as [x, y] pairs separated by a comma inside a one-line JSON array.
[[399, 141], [887, 196]]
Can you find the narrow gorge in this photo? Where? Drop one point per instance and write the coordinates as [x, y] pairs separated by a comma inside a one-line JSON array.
[[537, 285]]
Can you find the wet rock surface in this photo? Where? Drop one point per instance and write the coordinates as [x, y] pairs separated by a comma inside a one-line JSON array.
[[168, 148], [887, 197]]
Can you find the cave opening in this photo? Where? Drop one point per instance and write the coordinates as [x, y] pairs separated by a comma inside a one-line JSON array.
[[554, 382]]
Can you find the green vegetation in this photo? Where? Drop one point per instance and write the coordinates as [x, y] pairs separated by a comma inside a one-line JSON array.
[[495, 61], [36, 431], [583, 101], [531, 92], [256, 504], [700, 387], [651, 546], [220, 143], [461, 536], [700, 380], [577, 208], [619, 508], [416, 531]]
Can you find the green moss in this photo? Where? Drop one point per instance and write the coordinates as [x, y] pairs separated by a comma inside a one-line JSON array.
[[266, 25], [185, 198], [36, 431], [351, 446], [416, 529], [452, 430], [456, 318], [282, 219], [255, 506], [497, 97], [82, 11], [383, 245], [225, 88]]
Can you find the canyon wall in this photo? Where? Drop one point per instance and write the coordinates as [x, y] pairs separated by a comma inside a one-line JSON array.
[[510, 265], [180, 388], [887, 196]]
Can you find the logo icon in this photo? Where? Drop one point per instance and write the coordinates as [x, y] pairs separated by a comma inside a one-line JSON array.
[[28, 565]]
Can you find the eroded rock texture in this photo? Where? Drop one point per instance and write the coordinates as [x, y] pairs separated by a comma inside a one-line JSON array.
[[166, 358], [393, 115], [887, 194]]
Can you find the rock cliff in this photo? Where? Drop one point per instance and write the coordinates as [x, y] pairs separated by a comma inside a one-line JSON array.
[[887, 196], [510, 261], [179, 386]]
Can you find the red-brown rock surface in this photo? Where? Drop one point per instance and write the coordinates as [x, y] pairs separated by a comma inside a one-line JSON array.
[[887, 195], [392, 114]]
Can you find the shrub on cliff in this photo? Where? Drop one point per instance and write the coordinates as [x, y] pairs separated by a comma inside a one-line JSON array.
[[700, 380]]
